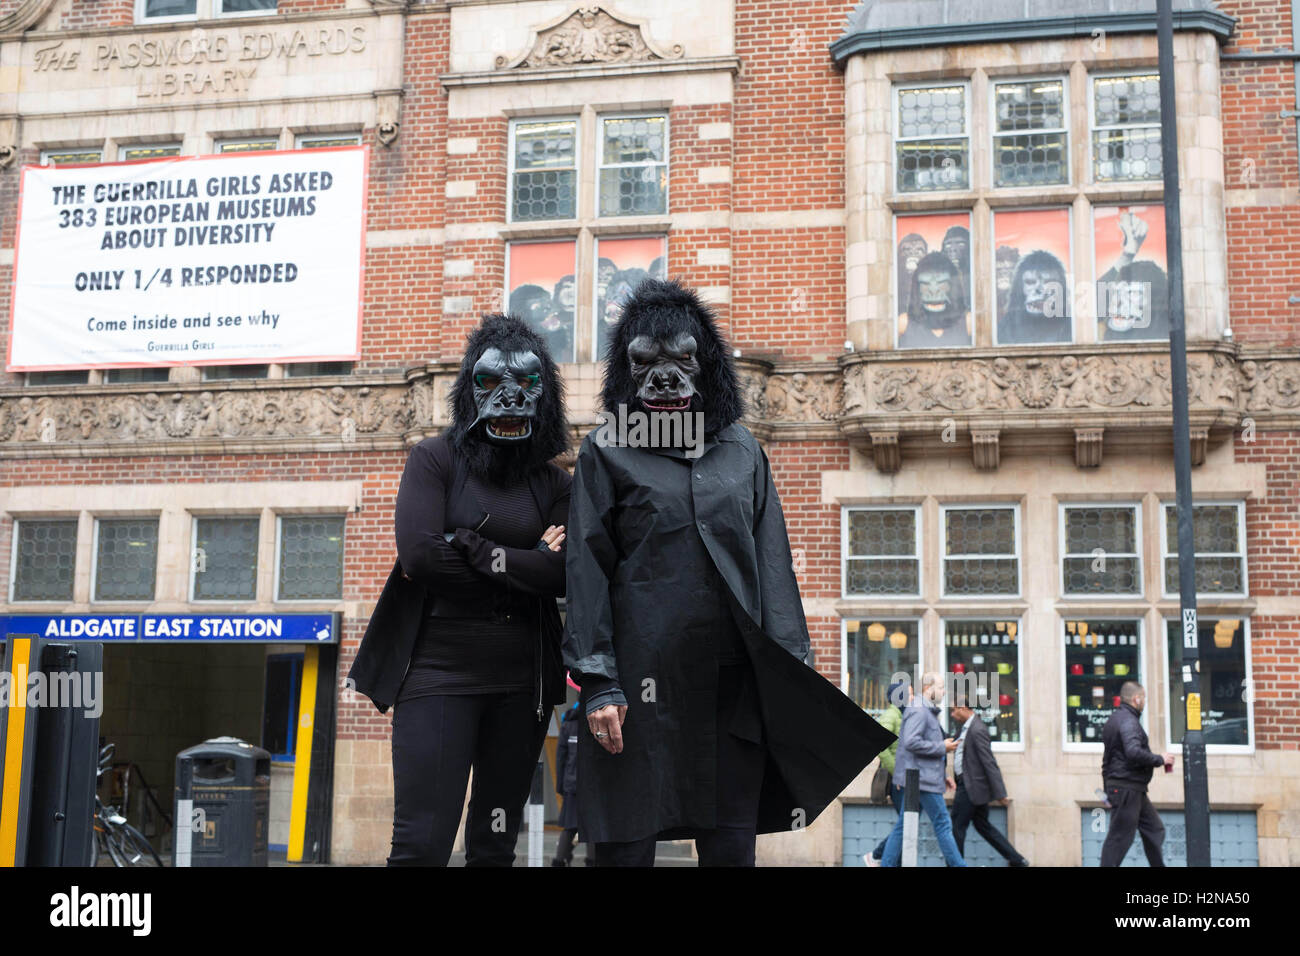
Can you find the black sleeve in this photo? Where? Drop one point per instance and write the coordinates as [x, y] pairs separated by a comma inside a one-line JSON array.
[[1135, 754], [423, 552], [532, 570]]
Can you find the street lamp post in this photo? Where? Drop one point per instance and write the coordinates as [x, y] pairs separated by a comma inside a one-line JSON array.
[[1196, 798]]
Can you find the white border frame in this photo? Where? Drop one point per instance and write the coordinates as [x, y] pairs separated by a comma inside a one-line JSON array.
[[515, 122], [845, 556], [1070, 289], [1112, 596], [1143, 676], [944, 556], [917, 619], [895, 139], [75, 519], [275, 556], [505, 290], [1091, 178], [595, 277], [893, 272], [1165, 553], [194, 547], [1022, 693], [598, 165], [1174, 746], [993, 83], [94, 559]]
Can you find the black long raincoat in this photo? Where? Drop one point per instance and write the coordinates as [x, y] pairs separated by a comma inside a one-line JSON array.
[[635, 568]]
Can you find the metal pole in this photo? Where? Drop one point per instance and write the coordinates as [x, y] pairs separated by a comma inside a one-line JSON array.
[[911, 816], [1196, 801]]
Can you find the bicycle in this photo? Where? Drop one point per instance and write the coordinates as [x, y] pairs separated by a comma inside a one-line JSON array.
[[114, 836]]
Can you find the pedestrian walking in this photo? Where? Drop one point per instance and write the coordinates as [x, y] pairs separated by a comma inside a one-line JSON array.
[[979, 783], [899, 696], [1126, 766]]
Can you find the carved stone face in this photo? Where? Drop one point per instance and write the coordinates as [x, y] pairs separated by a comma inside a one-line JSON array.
[[507, 387], [665, 371]]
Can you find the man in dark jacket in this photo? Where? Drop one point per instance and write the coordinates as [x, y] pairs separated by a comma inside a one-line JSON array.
[[566, 780], [1126, 766], [685, 627], [979, 783]]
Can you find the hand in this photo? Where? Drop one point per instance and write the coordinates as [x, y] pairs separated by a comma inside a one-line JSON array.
[[609, 721], [950, 744], [1134, 231], [554, 537], [1169, 759], [951, 783], [1005, 801]]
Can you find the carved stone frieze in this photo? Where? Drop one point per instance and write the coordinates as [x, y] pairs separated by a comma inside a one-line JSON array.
[[588, 35]]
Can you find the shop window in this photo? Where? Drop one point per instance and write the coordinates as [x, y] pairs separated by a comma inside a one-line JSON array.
[[1219, 538], [1099, 657], [124, 376], [126, 559], [1101, 553], [932, 281], [875, 652], [61, 377], [981, 551], [309, 558], [981, 662], [632, 167], [128, 153], [543, 169], [71, 157], [280, 705], [1126, 128], [44, 561], [1223, 660], [301, 369], [1030, 143], [882, 551], [931, 138], [1031, 256], [224, 563]]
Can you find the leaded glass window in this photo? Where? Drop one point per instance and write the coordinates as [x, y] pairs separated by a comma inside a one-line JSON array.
[[1126, 128], [882, 554], [980, 555], [46, 559], [1219, 541], [225, 559], [310, 560], [1029, 133], [545, 171], [1101, 550], [932, 141], [633, 166], [126, 559]]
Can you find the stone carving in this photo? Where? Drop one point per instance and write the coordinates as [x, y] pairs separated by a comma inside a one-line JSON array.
[[589, 35], [753, 388], [805, 397], [1268, 386]]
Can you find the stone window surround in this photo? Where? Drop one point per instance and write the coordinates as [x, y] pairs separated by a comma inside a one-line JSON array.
[[917, 554], [1040, 608], [872, 201], [176, 505]]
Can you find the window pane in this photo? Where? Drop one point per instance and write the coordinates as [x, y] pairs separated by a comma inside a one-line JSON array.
[[225, 563], [621, 264], [876, 651], [984, 668], [980, 531], [545, 171], [1215, 528], [638, 139], [322, 142], [170, 8], [121, 376], [149, 152], [66, 377], [1107, 536], [1099, 657], [1133, 152], [1038, 104], [311, 558], [639, 189], [882, 576], [1221, 646], [544, 293], [245, 6], [979, 576], [72, 157], [1213, 576], [249, 146], [296, 369], [1125, 154], [126, 559], [933, 165], [1120, 100], [211, 372], [934, 111], [1036, 159], [47, 553], [882, 532]]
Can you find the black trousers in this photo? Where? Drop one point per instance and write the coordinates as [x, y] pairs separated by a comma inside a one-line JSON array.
[[739, 784], [965, 812], [1131, 811], [436, 740]]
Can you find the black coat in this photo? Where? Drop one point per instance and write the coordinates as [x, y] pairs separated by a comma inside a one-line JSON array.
[[644, 526], [1127, 759], [980, 774], [438, 567]]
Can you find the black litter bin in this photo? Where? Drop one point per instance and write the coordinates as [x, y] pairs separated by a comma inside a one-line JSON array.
[[222, 804]]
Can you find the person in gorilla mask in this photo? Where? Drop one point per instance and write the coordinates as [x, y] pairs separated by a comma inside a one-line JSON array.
[[465, 637], [685, 627]]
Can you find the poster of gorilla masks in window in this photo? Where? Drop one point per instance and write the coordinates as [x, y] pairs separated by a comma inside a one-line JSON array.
[[544, 292], [933, 280], [1031, 256], [1132, 284], [620, 265]]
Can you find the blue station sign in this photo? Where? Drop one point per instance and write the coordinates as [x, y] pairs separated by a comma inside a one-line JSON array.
[[175, 628]]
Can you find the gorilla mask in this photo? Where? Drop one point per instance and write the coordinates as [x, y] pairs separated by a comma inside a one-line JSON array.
[[507, 387], [938, 297], [507, 404], [666, 355]]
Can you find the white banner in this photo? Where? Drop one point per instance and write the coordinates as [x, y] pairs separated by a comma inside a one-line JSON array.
[[190, 261]]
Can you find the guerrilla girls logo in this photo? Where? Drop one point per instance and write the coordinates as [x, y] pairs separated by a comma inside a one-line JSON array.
[[77, 909]]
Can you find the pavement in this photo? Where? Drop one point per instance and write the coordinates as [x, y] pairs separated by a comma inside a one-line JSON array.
[[677, 853]]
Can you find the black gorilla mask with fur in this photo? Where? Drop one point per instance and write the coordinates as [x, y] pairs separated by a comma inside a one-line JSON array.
[[507, 404], [666, 354]]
